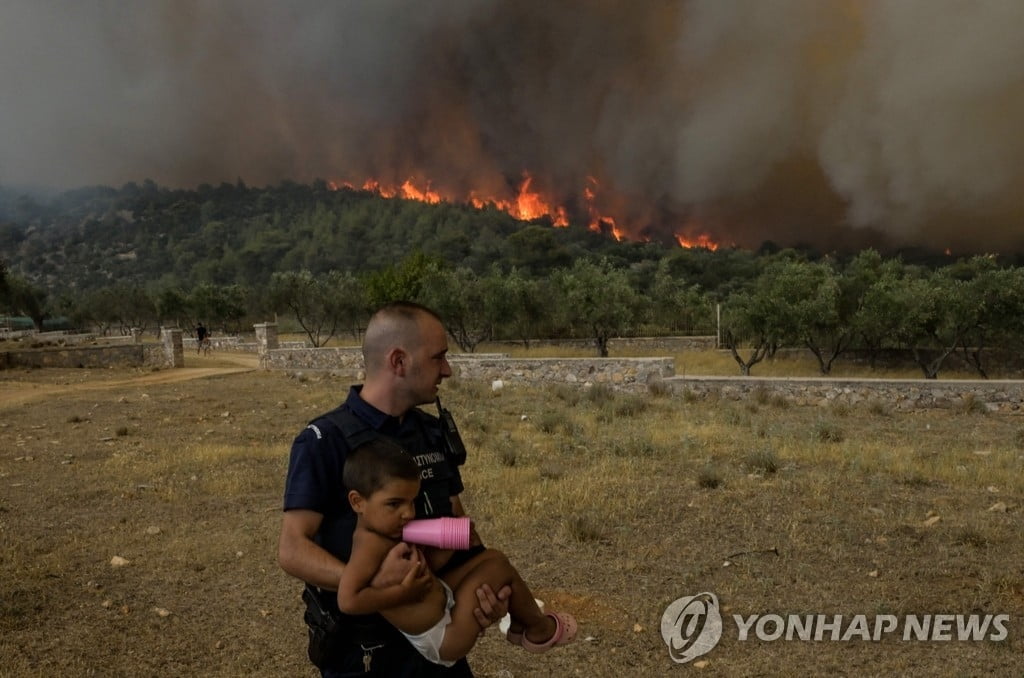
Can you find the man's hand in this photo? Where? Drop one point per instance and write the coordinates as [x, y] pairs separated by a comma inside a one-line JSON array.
[[397, 564], [492, 607]]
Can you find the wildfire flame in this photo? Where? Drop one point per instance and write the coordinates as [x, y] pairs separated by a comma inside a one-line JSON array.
[[528, 204], [702, 240]]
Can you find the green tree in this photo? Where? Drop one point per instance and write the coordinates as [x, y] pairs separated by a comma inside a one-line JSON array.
[[171, 306], [596, 299], [221, 305], [521, 306], [749, 324], [403, 282], [322, 304], [459, 297], [679, 306], [25, 298], [807, 305]]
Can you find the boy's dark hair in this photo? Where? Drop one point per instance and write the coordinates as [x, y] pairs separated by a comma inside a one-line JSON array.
[[372, 464]]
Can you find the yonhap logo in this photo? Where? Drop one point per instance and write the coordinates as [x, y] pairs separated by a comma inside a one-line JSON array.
[[691, 626]]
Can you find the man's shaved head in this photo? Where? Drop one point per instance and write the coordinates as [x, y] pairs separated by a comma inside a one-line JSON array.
[[396, 325]]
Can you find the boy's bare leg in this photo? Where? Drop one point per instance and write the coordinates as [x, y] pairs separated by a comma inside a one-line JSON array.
[[492, 568]]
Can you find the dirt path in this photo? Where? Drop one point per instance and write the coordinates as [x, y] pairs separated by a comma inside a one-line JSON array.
[[15, 393]]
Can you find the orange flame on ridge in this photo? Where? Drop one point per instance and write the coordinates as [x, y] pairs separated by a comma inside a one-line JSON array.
[[526, 205]]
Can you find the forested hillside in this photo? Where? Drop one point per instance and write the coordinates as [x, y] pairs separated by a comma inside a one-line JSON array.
[[145, 256], [233, 234]]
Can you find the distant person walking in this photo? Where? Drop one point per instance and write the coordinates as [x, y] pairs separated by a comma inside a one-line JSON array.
[[202, 338]]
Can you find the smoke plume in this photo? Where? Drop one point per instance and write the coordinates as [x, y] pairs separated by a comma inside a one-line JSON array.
[[833, 122]]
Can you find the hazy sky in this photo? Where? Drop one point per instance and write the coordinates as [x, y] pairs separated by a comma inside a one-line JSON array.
[[815, 120]]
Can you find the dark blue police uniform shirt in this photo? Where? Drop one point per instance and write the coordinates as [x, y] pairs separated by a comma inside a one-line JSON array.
[[318, 454]]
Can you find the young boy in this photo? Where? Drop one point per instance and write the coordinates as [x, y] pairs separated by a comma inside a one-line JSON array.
[[436, 615]]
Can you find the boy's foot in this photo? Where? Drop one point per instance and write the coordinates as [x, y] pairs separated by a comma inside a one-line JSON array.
[[514, 636], [565, 633]]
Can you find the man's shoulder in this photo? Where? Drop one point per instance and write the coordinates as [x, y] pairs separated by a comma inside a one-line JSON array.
[[340, 426]]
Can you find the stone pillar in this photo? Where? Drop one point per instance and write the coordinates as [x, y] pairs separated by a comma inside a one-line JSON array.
[[266, 340], [173, 350], [136, 335]]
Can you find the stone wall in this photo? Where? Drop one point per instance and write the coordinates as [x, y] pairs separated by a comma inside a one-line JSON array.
[[899, 394], [622, 372], [667, 344], [342, 359], [131, 355], [167, 353]]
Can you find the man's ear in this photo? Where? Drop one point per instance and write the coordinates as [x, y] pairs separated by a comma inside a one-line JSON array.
[[398, 360], [356, 500]]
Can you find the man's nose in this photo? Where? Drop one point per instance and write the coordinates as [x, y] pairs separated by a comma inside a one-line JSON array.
[[446, 369]]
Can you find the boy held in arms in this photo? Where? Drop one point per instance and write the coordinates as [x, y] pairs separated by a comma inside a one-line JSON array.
[[436, 615]]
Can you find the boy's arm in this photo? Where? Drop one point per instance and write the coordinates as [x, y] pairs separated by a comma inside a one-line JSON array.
[[356, 596]]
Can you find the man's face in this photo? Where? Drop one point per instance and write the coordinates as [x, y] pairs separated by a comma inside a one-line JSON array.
[[428, 362], [387, 510]]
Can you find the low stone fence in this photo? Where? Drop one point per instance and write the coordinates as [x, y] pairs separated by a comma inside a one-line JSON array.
[[899, 394], [667, 344], [235, 344], [167, 353], [625, 373], [131, 355], [342, 359]]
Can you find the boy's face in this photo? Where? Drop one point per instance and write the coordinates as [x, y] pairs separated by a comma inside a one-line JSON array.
[[387, 510]]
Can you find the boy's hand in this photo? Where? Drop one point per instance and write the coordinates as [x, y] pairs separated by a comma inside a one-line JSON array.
[[418, 580], [397, 564]]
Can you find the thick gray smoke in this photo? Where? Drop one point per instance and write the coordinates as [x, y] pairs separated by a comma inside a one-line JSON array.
[[821, 121]]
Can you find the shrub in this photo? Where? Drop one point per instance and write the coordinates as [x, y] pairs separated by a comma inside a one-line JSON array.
[[879, 408], [584, 528], [709, 478], [972, 404], [970, 536], [567, 394], [549, 421], [828, 431], [629, 406], [599, 394], [633, 447], [762, 460], [551, 470], [658, 388], [506, 451]]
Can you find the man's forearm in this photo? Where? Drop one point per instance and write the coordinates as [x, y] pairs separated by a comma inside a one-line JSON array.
[[307, 561]]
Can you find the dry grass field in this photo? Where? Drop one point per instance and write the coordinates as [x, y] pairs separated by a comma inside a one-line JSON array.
[[139, 513]]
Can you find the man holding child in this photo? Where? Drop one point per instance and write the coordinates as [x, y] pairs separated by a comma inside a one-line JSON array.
[[404, 351]]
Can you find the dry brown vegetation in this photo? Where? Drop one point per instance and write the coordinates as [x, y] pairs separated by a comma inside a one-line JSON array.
[[612, 506]]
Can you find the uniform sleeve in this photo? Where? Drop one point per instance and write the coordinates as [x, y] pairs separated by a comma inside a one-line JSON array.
[[455, 483], [314, 473]]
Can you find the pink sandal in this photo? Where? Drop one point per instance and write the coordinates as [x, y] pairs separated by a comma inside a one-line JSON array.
[[565, 633]]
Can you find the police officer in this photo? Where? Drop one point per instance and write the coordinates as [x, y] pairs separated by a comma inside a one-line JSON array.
[[404, 352]]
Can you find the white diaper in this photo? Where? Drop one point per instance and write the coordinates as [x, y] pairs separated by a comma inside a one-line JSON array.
[[428, 643]]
